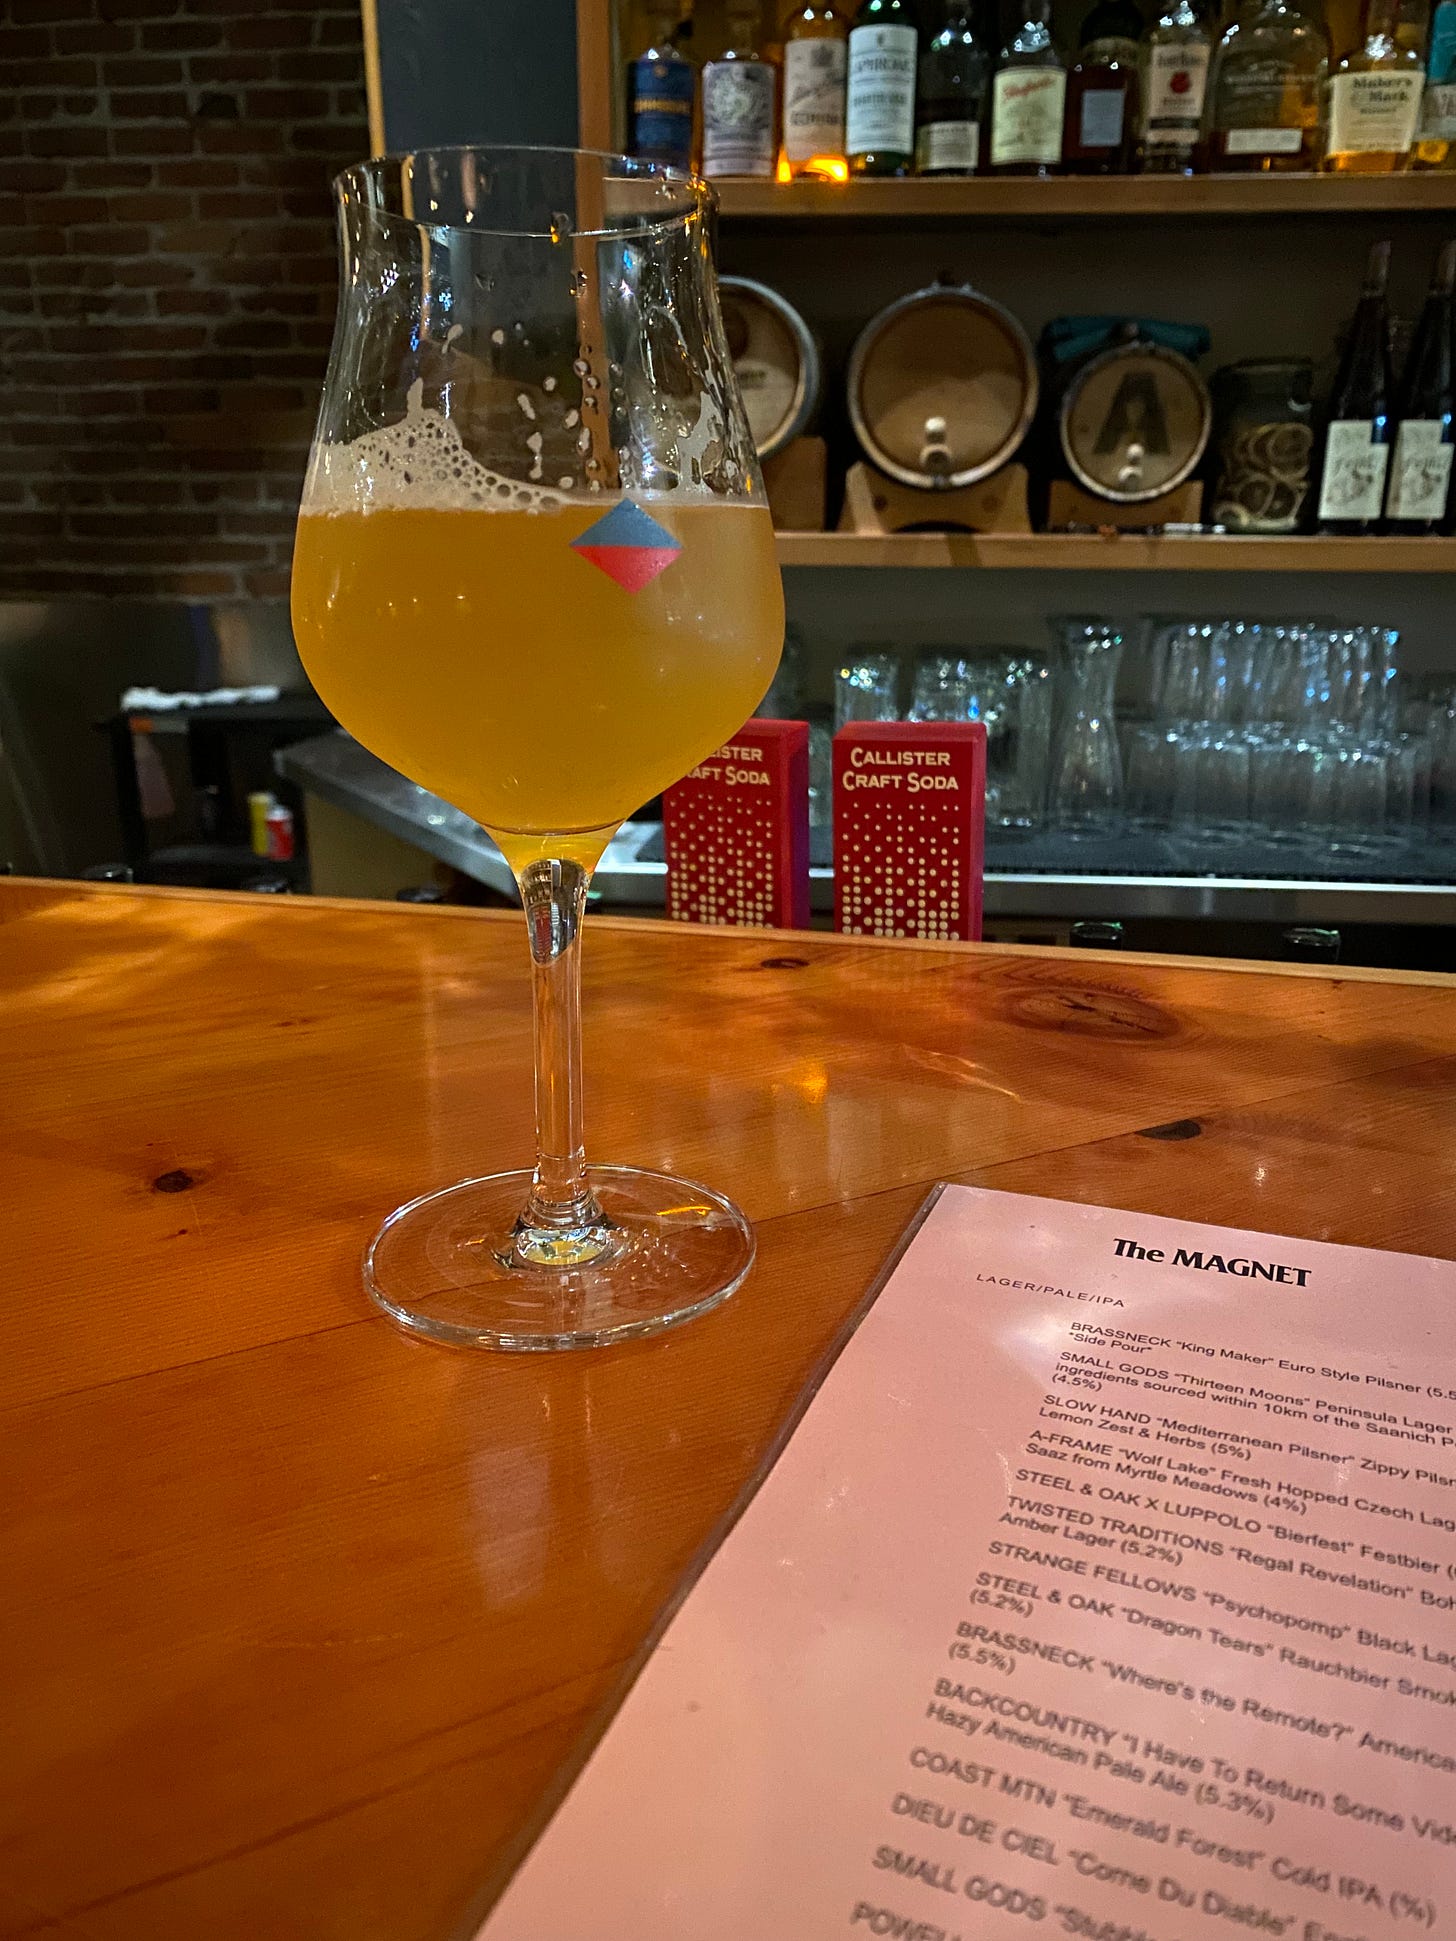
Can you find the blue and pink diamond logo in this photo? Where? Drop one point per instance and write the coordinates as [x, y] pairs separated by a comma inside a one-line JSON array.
[[629, 546]]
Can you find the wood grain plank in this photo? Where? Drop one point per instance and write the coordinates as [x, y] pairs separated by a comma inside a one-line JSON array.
[[302, 1620]]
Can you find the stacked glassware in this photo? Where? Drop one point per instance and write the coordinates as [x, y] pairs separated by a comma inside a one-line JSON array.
[[1289, 734], [1269, 748]]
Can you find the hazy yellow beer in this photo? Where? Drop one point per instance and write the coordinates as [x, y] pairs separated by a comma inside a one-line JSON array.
[[490, 659]]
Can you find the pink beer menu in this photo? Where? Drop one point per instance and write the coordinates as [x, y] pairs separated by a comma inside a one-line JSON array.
[[1106, 1587]]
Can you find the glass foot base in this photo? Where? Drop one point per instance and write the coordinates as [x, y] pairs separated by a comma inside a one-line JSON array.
[[447, 1265]]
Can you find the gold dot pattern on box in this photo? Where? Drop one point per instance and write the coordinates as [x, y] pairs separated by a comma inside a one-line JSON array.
[[721, 858], [902, 865]]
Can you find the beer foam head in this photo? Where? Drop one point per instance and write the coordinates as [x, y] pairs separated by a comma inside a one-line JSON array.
[[418, 464]]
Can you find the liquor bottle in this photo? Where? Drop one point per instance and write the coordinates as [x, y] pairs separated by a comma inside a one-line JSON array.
[[1357, 431], [1375, 100], [661, 83], [1413, 26], [738, 101], [955, 79], [1267, 90], [1028, 97], [1175, 58], [815, 58], [1420, 466], [880, 118], [1102, 92], [1436, 138]]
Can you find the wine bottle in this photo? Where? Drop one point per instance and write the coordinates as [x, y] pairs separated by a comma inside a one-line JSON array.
[[1420, 467], [955, 72], [1357, 430], [880, 117], [661, 84]]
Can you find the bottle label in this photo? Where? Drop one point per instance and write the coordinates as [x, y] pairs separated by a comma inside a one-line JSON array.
[[1374, 113], [1352, 485], [1174, 81], [1263, 141], [738, 118], [1438, 112], [881, 117], [1101, 118], [1420, 472], [660, 111], [1441, 55], [948, 148], [1026, 120], [813, 99]]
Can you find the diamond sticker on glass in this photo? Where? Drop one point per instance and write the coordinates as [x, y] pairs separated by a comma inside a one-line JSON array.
[[629, 546]]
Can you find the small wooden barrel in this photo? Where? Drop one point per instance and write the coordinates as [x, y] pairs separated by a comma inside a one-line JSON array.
[[942, 387], [776, 358], [1134, 422]]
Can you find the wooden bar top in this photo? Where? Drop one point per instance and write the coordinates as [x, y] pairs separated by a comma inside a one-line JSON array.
[[302, 1620]]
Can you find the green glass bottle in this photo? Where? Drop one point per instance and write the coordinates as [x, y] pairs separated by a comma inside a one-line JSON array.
[[880, 122]]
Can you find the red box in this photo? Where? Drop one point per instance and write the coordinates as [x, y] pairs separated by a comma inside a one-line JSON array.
[[909, 829], [736, 832]]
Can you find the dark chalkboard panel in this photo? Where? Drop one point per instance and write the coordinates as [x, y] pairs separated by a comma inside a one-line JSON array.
[[478, 71]]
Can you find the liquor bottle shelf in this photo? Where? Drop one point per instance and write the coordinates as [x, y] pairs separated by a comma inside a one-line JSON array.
[[1110, 196], [1119, 552]]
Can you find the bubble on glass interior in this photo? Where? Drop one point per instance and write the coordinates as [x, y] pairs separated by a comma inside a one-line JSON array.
[[580, 366], [497, 337], [572, 417], [548, 384], [578, 283], [528, 409], [562, 226], [455, 330]]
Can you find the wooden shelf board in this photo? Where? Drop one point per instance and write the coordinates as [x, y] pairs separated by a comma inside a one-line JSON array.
[[1125, 552], [1088, 196]]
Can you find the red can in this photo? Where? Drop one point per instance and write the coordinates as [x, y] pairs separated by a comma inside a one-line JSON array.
[[279, 827]]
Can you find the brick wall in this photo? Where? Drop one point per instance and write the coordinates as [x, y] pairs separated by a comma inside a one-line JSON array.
[[167, 276]]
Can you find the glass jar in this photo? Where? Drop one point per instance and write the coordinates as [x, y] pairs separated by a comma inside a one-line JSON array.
[[1264, 438]]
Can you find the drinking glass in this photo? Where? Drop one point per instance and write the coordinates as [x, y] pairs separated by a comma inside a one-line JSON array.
[[941, 688], [1018, 748], [867, 686], [535, 571]]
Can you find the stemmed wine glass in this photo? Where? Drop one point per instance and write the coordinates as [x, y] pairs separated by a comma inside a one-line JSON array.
[[535, 572]]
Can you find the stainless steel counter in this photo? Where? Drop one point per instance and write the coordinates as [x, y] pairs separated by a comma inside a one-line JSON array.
[[343, 773]]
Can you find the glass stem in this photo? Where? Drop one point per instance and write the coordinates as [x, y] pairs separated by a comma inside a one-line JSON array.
[[561, 1225]]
